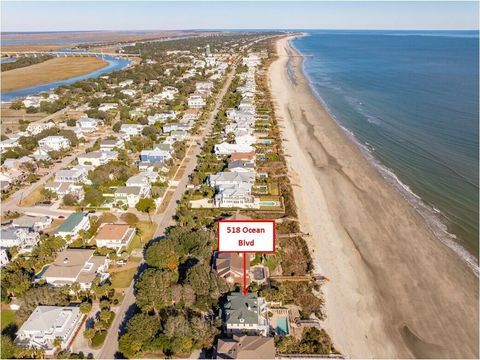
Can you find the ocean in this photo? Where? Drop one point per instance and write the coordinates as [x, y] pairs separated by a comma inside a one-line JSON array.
[[410, 101]]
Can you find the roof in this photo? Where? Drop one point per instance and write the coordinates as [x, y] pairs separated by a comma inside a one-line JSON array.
[[242, 156], [242, 308], [58, 319], [112, 232], [246, 176], [240, 164], [29, 221], [228, 263], [69, 263], [246, 347], [71, 222], [129, 190]]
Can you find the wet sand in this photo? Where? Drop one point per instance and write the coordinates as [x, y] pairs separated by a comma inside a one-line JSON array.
[[395, 291]]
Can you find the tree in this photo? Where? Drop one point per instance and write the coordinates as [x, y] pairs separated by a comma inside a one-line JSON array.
[[128, 346], [71, 122], [146, 205], [153, 289], [105, 316], [143, 327], [57, 342], [69, 200], [47, 194], [89, 334], [129, 218], [85, 307], [93, 197]]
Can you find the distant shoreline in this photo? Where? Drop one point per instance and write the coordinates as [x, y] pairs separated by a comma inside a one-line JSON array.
[[391, 280]]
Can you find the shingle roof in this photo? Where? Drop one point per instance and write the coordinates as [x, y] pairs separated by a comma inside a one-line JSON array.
[[69, 224]]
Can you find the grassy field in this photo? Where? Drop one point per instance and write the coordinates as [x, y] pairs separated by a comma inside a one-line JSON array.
[[11, 118], [122, 279], [147, 230], [51, 70], [33, 197], [8, 317]]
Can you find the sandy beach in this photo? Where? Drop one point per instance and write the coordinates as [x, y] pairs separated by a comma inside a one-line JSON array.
[[395, 291]]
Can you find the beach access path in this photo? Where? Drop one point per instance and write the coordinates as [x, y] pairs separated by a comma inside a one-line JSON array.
[[164, 220], [396, 291]]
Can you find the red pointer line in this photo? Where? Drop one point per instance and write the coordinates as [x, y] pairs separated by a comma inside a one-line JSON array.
[[244, 274]]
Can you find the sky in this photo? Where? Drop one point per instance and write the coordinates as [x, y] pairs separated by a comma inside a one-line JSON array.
[[176, 15]]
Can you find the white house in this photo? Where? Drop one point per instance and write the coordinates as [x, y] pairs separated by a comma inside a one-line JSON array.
[[73, 225], [125, 83], [3, 257], [48, 323], [55, 142], [75, 175], [196, 101], [231, 178], [97, 158], [132, 129], [228, 149], [8, 144], [130, 195], [114, 236], [108, 145], [163, 116], [37, 128], [22, 238], [246, 313], [168, 93], [128, 92], [236, 196], [76, 266], [107, 106], [87, 125]]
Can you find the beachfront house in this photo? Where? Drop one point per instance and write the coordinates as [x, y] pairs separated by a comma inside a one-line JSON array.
[[225, 148], [245, 314], [76, 266], [73, 225], [246, 347], [47, 323]]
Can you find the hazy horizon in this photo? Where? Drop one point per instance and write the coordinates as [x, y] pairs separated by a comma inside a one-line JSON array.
[[48, 16]]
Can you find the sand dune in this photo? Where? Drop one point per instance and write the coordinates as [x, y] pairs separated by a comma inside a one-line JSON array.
[[395, 291]]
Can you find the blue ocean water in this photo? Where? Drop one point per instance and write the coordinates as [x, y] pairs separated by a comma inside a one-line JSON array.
[[410, 100]]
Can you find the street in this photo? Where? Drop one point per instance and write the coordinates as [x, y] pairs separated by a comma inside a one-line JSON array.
[[163, 220]]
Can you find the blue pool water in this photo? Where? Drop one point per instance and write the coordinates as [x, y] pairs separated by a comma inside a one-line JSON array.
[[282, 325]]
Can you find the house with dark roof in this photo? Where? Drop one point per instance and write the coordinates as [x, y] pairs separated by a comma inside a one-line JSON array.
[[245, 314], [73, 225], [246, 347]]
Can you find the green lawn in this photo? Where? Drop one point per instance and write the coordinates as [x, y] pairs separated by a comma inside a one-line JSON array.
[[8, 317], [147, 230], [122, 279]]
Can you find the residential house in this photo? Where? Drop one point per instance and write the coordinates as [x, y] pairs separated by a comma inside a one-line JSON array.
[[245, 314], [56, 143], [76, 266], [244, 156], [130, 195], [236, 196], [48, 323], [87, 125], [129, 92], [73, 225], [97, 158], [168, 93], [108, 145], [132, 129], [139, 180], [114, 236], [231, 178], [228, 149], [204, 87], [107, 107], [32, 223], [196, 101], [24, 239], [8, 144], [77, 174], [241, 166], [159, 153], [63, 188], [162, 117], [230, 267], [246, 347], [125, 83]]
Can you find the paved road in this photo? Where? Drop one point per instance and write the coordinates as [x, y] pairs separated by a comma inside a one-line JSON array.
[[12, 203], [163, 220]]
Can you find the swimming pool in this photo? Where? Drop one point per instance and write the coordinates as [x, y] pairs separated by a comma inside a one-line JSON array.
[[282, 325], [269, 203]]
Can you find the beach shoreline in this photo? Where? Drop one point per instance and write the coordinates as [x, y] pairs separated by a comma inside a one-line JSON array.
[[395, 290]]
